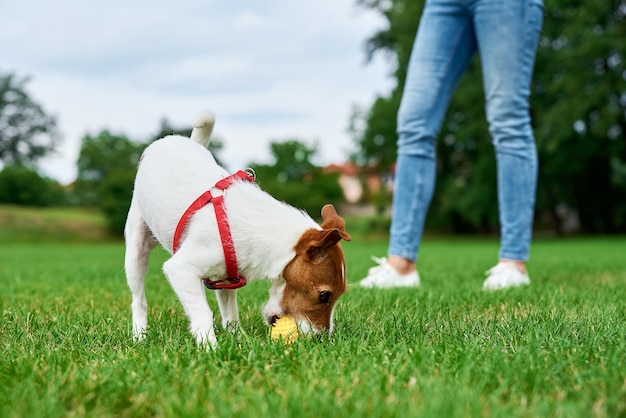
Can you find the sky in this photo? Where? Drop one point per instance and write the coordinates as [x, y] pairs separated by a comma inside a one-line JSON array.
[[269, 70]]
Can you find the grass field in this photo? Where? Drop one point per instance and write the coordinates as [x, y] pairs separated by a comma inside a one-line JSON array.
[[28, 224], [554, 349]]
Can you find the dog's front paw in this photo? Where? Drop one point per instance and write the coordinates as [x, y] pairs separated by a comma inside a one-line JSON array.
[[139, 333], [206, 339], [232, 326]]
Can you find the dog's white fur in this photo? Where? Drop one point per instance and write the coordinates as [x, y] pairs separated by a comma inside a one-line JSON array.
[[173, 172]]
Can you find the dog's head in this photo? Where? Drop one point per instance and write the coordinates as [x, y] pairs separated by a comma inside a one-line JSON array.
[[314, 279]]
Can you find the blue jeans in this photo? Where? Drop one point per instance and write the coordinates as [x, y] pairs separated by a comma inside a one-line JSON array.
[[505, 34]]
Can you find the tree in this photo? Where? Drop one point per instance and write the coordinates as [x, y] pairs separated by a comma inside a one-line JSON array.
[[579, 96], [292, 160], [27, 133], [102, 156], [294, 179], [578, 112], [106, 171]]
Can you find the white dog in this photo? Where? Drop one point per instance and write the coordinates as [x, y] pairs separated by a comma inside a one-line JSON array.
[[258, 237]]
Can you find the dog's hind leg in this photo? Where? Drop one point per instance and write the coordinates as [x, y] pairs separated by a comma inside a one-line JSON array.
[[227, 302], [139, 243], [186, 282]]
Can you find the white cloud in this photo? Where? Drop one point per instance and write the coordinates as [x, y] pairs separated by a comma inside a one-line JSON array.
[[247, 20], [269, 70]]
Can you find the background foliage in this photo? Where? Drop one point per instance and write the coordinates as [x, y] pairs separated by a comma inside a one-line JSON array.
[[27, 132], [25, 186], [294, 179]]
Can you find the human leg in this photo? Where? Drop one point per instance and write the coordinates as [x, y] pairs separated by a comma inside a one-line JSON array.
[[442, 50], [443, 47], [507, 37]]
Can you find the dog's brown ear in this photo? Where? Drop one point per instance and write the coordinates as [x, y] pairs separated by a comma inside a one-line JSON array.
[[314, 243], [330, 237], [333, 221]]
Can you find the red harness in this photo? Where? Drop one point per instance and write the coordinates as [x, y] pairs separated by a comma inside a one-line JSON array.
[[233, 279]]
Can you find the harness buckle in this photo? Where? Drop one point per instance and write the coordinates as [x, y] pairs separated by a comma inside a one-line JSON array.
[[225, 283]]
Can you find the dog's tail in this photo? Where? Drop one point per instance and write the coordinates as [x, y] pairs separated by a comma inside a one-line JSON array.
[[202, 128]]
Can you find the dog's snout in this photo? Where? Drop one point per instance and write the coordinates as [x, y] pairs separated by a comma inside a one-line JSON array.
[[323, 334]]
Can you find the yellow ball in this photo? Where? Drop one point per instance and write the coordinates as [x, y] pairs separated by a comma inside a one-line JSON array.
[[285, 328]]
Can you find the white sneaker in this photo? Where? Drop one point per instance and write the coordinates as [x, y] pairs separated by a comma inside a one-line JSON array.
[[384, 276], [505, 275]]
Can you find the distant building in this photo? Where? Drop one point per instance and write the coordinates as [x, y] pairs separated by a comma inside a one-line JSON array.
[[352, 178]]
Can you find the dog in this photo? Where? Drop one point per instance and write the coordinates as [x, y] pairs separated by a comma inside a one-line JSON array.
[[268, 238]]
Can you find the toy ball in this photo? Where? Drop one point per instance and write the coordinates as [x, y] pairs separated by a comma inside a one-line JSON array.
[[285, 328]]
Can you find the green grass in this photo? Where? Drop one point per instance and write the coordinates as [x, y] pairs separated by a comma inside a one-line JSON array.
[[556, 348]]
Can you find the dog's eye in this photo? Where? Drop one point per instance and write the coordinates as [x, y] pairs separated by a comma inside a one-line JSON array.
[[325, 296]]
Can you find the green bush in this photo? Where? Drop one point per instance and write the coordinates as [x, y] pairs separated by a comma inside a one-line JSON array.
[[21, 185], [115, 192]]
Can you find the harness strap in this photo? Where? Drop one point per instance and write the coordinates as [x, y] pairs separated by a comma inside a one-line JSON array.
[[234, 280]]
